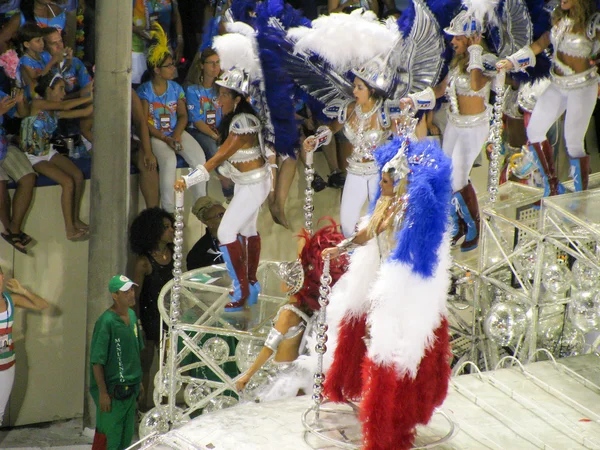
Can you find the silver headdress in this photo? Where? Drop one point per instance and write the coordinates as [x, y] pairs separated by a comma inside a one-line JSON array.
[[378, 73], [235, 79], [464, 24], [291, 273], [397, 167]]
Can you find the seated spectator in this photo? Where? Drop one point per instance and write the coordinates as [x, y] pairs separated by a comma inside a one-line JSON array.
[[204, 112], [78, 81], [142, 156], [36, 133], [165, 107], [15, 165], [206, 251], [34, 61], [22, 298]]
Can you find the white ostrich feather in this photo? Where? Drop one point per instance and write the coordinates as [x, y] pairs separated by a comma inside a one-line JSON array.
[[406, 311], [238, 50], [483, 10], [346, 41]]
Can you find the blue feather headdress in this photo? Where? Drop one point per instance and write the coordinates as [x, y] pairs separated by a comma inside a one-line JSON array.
[[429, 192]]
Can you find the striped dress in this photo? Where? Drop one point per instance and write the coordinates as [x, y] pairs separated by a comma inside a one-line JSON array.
[[7, 346]]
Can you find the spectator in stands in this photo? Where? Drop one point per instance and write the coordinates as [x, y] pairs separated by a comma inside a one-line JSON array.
[[15, 165], [78, 81], [346, 6], [204, 112], [34, 61], [116, 372], [8, 8], [36, 135], [145, 14], [142, 156], [45, 13], [151, 239], [22, 298], [165, 107], [206, 251]]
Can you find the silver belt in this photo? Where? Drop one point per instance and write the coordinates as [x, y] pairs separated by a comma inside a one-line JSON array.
[[251, 177], [575, 81], [362, 168], [473, 120]]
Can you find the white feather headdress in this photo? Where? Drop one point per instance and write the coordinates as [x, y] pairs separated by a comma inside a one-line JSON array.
[[346, 41]]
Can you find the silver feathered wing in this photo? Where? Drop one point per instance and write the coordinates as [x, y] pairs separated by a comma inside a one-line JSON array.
[[516, 30], [316, 77], [418, 56]]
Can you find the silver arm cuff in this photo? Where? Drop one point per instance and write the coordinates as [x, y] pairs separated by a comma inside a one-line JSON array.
[[475, 57], [347, 245], [522, 59], [274, 339], [195, 176], [424, 99]]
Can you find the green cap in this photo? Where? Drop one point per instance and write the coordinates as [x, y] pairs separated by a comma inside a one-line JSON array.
[[120, 283]]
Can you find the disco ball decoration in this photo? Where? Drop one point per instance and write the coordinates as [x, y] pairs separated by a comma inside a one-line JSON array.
[[220, 402], [556, 278], [505, 323], [572, 342], [585, 276], [550, 325], [217, 349], [246, 352], [157, 420], [525, 264], [162, 384], [196, 392], [584, 310]]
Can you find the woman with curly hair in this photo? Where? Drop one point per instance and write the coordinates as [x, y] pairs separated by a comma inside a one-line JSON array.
[[303, 280], [573, 88], [151, 239]]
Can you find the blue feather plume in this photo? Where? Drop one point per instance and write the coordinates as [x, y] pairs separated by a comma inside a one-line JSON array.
[[210, 31], [426, 218]]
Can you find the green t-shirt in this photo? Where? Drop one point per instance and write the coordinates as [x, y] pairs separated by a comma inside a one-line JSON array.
[[117, 347]]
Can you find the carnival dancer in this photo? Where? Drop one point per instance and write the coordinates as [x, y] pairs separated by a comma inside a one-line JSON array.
[[574, 88], [288, 337], [468, 125], [364, 115], [242, 149], [387, 314]]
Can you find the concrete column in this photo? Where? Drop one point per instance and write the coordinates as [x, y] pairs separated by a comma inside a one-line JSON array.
[[109, 187]]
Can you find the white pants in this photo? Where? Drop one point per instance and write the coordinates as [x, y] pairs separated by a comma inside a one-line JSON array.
[[579, 104], [167, 164], [7, 377], [242, 213], [357, 190], [463, 145]]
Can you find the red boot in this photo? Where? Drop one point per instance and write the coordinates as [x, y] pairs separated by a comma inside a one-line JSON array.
[[233, 255], [253, 258]]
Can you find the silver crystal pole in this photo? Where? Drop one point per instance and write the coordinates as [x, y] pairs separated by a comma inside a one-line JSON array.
[[496, 138], [174, 310], [309, 192], [321, 347]]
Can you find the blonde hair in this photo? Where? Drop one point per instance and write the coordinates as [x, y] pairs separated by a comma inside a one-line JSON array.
[[462, 61], [580, 12]]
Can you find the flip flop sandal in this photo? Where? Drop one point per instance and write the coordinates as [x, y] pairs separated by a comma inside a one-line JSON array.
[[14, 239], [25, 238]]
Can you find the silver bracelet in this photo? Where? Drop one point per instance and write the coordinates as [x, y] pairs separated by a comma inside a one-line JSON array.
[[347, 245], [274, 339]]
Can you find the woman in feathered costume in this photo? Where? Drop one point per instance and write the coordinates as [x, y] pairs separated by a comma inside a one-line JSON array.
[[574, 88], [294, 320], [387, 314]]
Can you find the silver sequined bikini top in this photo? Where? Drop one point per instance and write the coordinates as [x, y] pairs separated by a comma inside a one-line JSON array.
[[462, 85], [364, 141], [245, 124], [579, 45]]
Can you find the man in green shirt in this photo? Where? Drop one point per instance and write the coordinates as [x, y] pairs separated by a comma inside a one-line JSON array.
[[116, 371]]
